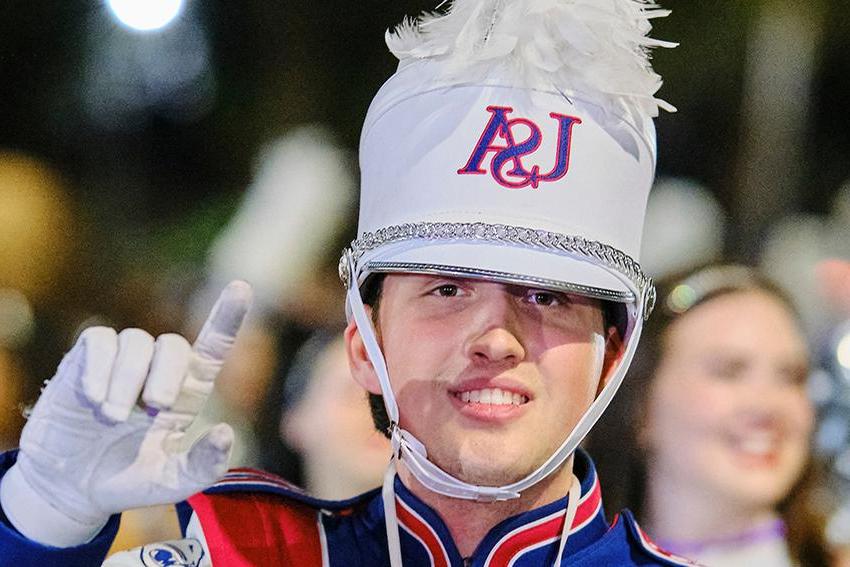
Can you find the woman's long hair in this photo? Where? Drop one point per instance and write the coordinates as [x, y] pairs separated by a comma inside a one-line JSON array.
[[615, 442]]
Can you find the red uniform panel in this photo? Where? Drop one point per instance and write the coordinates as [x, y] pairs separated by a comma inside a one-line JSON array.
[[250, 529]]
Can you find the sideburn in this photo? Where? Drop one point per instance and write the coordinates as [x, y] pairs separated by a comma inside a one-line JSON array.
[[372, 297]]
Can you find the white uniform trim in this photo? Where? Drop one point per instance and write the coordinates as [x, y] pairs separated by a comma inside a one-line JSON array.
[[653, 549], [196, 531], [409, 530], [323, 539]]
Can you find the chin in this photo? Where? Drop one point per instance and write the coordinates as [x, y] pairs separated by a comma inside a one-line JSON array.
[[490, 476], [768, 490], [755, 490], [485, 459], [485, 470]]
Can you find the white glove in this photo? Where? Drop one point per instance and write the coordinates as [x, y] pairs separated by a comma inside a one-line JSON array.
[[89, 450]]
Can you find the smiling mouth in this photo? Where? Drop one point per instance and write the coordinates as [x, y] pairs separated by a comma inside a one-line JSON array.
[[761, 445], [492, 397]]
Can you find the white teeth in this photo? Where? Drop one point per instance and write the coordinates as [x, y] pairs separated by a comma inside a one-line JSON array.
[[492, 396], [757, 445]]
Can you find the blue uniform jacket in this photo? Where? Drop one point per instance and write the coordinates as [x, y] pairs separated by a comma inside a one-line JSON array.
[[253, 518]]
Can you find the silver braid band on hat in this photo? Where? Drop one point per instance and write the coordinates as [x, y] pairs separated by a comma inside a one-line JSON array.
[[544, 240]]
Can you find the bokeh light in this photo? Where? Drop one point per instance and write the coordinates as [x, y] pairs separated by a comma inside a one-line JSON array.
[[147, 15], [682, 298], [37, 227], [843, 351]]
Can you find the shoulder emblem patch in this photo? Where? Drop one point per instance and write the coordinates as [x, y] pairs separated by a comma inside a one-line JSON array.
[[175, 553]]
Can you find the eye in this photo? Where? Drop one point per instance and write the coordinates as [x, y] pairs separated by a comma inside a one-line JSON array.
[[545, 298], [446, 290], [794, 375], [726, 369]]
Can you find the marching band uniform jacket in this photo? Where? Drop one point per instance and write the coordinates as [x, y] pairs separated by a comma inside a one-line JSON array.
[[251, 518]]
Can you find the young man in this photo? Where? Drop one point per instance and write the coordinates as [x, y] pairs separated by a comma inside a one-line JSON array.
[[505, 169]]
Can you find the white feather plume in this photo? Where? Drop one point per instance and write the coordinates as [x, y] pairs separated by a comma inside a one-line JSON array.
[[598, 48]]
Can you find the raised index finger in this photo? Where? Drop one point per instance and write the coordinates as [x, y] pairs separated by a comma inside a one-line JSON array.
[[219, 331]]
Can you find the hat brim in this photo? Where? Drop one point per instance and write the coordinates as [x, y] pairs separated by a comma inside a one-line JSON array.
[[503, 263]]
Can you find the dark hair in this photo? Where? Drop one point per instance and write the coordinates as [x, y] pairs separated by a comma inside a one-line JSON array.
[[614, 443], [371, 292], [613, 314]]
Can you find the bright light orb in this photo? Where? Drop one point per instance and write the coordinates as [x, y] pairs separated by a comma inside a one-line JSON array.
[[145, 15], [843, 351]]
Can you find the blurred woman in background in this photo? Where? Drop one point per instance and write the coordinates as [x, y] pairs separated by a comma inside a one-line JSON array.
[[717, 421], [326, 421]]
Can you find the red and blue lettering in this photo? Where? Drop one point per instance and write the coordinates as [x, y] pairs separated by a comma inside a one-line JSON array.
[[511, 152]]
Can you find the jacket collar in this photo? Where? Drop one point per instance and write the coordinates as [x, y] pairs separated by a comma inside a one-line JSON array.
[[536, 531]]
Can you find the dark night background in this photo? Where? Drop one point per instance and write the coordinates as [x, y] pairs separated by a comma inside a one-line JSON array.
[[123, 153], [154, 137]]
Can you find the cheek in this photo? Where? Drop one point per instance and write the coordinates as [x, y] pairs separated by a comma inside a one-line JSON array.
[[683, 410], [408, 344], [800, 416], [573, 372], [419, 358], [349, 429]]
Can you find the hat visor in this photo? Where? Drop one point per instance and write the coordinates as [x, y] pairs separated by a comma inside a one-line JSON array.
[[558, 271]]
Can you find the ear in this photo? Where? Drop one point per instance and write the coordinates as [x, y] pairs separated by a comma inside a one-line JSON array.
[[644, 432], [292, 430], [358, 360], [614, 351]]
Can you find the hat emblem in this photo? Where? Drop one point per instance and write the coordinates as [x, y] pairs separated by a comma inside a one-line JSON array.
[[508, 152]]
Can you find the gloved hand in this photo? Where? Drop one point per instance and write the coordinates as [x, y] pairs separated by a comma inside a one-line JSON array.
[[90, 450]]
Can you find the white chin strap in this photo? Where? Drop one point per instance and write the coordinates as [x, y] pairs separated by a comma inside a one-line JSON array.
[[412, 452]]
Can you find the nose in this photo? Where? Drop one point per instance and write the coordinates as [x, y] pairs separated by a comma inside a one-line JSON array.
[[769, 400], [495, 332]]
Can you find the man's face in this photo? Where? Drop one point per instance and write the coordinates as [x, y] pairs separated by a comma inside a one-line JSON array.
[[490, 377]]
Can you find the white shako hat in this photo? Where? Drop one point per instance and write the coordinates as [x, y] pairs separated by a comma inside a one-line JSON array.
[[514, 143]]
